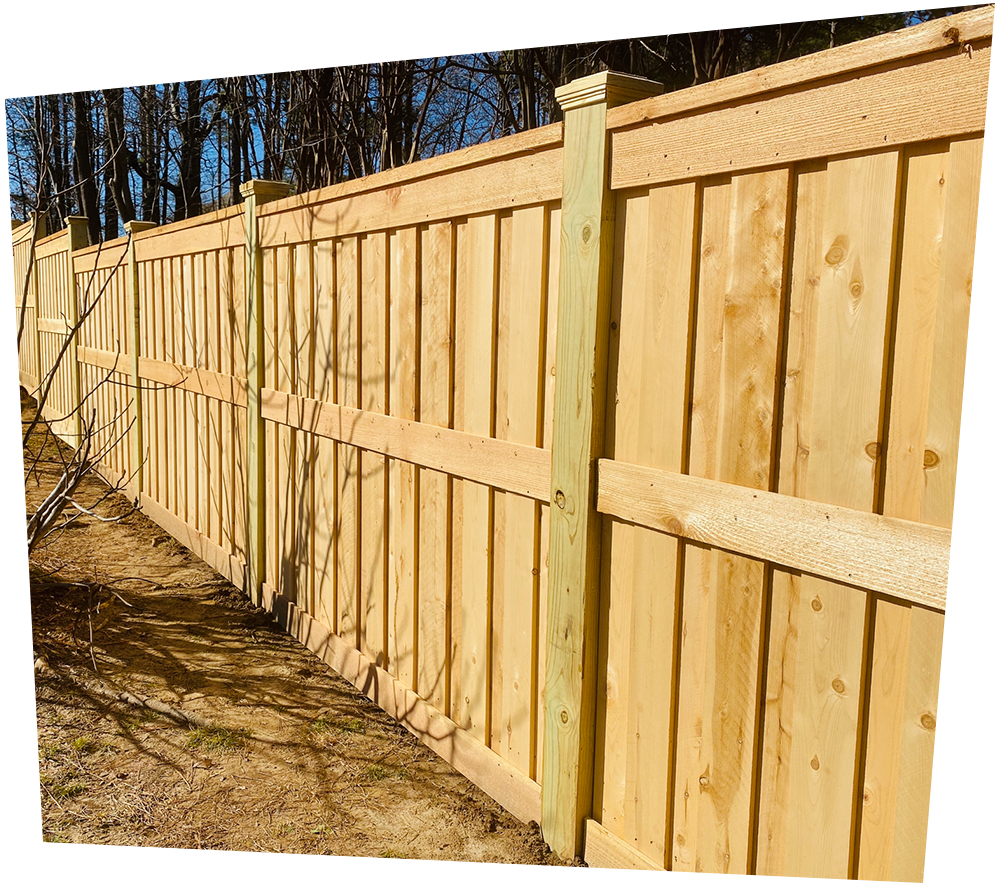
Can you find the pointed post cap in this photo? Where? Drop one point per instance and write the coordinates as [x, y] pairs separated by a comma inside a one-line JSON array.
[[609, 87]]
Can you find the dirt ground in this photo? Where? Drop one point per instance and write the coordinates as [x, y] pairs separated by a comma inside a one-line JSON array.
[[280, 755]]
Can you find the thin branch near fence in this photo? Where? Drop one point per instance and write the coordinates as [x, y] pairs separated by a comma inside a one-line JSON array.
[[615, 460]]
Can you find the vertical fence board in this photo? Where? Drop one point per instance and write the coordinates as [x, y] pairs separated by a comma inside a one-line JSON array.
[[305, 464], [519, 342], [348, 478], [836, 428], [227, 320], [373, 371], [286, 453], [325, 483], [937, 244], [433, 574], [548, 372], [403, 389], [653, 322], [475, 317], [735, 362]]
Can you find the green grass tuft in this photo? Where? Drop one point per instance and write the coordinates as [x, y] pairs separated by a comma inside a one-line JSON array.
[[218, 738]]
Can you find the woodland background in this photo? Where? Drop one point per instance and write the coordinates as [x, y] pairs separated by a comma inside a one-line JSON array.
[[165, 152]]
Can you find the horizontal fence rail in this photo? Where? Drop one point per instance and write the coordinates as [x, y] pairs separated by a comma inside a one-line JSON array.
[[615, 459]]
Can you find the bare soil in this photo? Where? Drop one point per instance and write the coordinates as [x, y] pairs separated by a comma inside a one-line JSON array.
[[279, 753]]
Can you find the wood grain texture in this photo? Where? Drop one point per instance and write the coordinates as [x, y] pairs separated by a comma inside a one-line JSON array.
[[602, 848], [938, 243], [648, 370], [833, 417], [735, 359], [586, 257], [856, 112], [324, 554], [403, 370], [574, 542], [520, 324], [930, 37], [434, 488], [906, 560], [374, 478], [505, 183], [475, 331], [348, 458]]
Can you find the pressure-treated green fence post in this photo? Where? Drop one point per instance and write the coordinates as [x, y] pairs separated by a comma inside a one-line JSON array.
[[585, 261], [134, 346], [76, 239], [38, 221], [255, 193]]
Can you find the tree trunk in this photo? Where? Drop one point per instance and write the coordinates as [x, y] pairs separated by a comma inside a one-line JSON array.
[[83, 165]]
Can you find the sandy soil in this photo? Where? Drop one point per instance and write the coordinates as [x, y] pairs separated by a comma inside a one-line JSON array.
[[280, 754]]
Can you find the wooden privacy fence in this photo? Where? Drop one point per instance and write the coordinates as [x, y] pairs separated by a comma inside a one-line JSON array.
[[616, 458]]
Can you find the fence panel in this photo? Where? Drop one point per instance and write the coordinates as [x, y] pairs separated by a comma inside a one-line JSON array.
[[192, 335], [103, 352], [822, 308], [789, 297], [26, 319], [424, 568]]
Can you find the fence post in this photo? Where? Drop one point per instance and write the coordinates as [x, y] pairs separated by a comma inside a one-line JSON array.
[[76, 239], [586, 254], [132, 228], [38, 220], [255, 193]]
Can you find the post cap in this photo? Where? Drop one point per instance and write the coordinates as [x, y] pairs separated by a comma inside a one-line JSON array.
[[134, 226], [76, 228], [265, 189], [609, 87]]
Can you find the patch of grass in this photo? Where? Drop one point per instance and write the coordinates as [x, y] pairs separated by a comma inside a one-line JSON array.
[[376, 772], [83, 744], [137, 719], [324, 724], [50, 752], [321, 725], [352, 726], [64, 791], [218, 738], [391, 853], [54, 838]]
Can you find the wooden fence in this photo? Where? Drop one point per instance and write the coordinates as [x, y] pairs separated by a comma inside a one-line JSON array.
[[675, 590]]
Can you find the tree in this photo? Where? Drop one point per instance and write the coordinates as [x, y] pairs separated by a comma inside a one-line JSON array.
[[166, 152]]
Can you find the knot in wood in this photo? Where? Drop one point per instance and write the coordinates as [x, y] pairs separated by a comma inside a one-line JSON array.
[[838, 250]]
